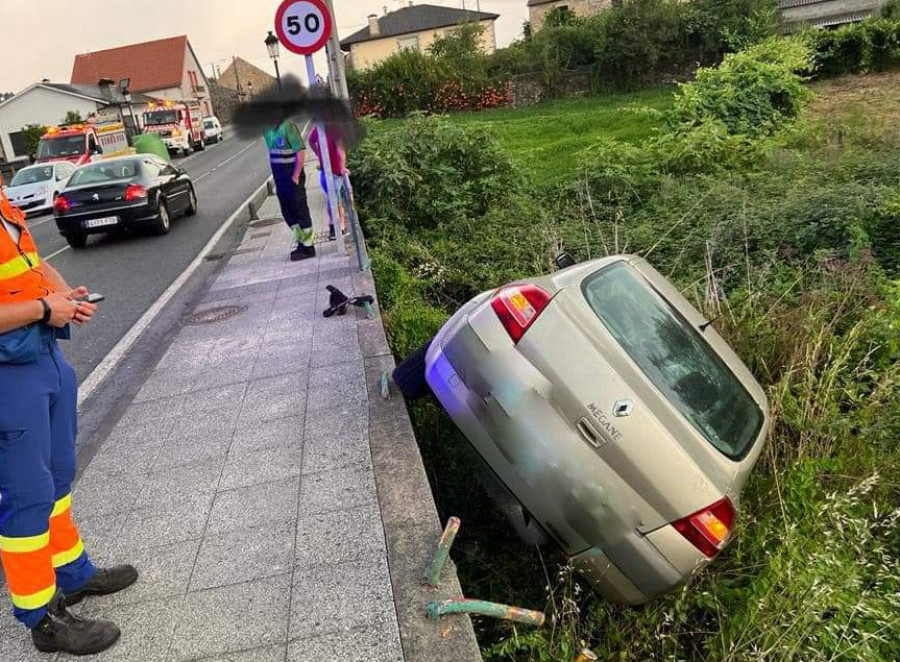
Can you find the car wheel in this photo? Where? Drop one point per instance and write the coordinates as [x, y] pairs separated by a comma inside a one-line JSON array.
[[192, 203], [163, 221], [188, 149], [409, 375], [200, 146], [76, 240]]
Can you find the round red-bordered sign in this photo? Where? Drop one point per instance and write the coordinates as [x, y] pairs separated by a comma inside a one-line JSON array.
[[303, 26]]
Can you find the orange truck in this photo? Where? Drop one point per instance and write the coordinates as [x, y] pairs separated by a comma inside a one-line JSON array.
[[82, 142], [178, 123]]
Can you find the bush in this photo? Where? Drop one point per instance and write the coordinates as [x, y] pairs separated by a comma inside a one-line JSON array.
[[871, 45], [754, 92]]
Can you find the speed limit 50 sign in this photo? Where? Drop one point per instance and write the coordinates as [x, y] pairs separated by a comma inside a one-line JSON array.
[[303, 26]]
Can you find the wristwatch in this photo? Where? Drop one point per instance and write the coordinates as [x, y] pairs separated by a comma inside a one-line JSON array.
[[46, 316]]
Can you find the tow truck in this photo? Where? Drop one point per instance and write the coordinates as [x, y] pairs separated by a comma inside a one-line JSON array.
[[83, 142], [178, 123]]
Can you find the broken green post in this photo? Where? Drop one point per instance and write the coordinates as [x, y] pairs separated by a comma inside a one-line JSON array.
[[369, 312], [443, 551], [384, 385], [435, 610]]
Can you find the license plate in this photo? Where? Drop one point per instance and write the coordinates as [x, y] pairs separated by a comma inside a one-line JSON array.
[[98, 222]]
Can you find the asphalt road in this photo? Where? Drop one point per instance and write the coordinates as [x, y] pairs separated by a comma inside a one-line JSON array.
[[131, 271]]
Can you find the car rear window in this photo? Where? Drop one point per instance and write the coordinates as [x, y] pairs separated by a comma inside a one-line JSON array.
[[97, 173], [673, 356]]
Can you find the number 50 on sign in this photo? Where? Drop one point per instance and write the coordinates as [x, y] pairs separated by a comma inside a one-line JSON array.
[[303, 26]]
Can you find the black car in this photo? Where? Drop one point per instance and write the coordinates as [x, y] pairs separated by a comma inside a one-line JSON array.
[[123, 193]]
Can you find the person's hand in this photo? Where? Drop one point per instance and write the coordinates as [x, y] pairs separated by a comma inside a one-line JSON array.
[[84, 311], [62, 309], [296, 179]]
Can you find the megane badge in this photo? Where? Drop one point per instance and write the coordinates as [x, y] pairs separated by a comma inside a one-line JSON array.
[[623, 408]]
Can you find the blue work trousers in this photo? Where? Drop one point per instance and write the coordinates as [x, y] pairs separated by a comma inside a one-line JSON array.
[[291, 196]]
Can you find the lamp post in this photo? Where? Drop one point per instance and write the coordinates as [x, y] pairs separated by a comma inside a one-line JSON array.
[[272, 46]]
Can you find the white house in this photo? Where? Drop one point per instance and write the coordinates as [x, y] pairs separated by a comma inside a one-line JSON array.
[[47, 104]]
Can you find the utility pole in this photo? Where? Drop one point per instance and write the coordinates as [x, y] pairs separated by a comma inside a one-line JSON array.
[[237, 78], [337, 77]]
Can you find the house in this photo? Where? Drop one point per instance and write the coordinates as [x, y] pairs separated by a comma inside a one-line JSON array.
[[825, 13], [245, 78], [537, 9], [166, 69], [414, 27], [47, 104]]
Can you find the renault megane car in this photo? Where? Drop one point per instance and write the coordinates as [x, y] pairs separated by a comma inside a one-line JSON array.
[[613, 412]]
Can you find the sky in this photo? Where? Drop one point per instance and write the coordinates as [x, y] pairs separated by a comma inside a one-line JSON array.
[[42, 37]]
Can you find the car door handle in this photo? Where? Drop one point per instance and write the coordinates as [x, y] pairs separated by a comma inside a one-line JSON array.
[[589, 434]]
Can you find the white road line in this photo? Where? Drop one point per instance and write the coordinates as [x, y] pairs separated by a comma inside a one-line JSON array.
[[40, 222], [205, 174], [234, 156], [55, 253], [122, 347]]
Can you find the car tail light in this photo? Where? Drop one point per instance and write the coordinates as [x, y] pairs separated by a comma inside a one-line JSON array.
[[709, 529], [61, 205], [135, 192], [518, 306]]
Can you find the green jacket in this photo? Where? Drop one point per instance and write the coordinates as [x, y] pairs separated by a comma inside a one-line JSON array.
[[286, 136]]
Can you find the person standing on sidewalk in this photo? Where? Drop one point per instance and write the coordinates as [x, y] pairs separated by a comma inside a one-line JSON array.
[[338, 157], [286, 156], [43, 556]]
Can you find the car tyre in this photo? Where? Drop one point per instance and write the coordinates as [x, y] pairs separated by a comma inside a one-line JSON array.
[[164, 219], [409, 375], [76, 240], [200, 146], [192, 203]]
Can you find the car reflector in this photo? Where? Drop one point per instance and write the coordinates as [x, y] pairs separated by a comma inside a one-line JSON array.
[[518, 306], [709, 529], [61, 205]]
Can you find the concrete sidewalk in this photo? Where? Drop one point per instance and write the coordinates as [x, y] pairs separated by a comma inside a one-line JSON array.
[[274, 503]]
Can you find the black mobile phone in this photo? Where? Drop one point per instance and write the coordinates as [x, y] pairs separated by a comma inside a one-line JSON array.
[[92, 298]]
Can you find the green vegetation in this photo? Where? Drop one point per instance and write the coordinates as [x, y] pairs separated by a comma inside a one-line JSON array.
[[783, 227], [33, 134]]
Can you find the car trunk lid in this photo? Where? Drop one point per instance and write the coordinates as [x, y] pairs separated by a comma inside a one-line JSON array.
[[670, 470]]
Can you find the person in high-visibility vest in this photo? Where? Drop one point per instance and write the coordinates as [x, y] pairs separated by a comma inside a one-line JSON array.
[[43, 556], [286, 156]]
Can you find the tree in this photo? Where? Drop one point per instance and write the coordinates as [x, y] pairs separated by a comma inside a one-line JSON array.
[[32, 134], [72, 117]]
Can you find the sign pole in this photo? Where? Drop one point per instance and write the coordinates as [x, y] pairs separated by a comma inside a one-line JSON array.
[[326, 166]]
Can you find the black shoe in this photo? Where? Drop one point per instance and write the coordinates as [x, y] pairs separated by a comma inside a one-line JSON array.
[[61, 630], [302, 253], [104, 582], [331, 236]]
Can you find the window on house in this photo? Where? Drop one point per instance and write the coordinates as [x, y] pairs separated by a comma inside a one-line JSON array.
[[408, 43], [19, 144]]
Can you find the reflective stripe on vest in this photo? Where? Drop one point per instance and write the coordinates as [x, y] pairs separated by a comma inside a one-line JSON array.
[[283, 161], [21, 279]]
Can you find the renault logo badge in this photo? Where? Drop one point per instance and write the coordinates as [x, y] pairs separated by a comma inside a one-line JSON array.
[[623, 408]]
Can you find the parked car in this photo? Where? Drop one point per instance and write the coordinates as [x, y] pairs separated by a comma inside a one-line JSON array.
[[34, 188], [212, 130], [123, 194], [615, 414]]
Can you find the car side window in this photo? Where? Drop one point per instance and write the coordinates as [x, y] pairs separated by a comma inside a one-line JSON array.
[[152, 168]]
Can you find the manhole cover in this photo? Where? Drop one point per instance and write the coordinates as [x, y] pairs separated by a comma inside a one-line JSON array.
[[213, 315], [263, 222]]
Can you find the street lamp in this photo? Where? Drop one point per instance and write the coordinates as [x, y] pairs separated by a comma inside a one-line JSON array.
[[272, 46]]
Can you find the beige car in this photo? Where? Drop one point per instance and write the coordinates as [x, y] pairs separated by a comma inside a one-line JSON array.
[[611, 409]]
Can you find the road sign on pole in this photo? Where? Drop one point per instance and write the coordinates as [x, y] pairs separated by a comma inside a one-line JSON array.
[[303, 26]]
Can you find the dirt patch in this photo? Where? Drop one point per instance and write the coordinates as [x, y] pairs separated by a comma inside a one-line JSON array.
[[868, 99]]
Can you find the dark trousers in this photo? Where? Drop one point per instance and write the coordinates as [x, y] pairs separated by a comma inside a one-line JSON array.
[[291, 196]]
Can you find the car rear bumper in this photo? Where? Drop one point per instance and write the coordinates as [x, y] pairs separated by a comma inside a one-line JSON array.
[[128, 217], [541, 460]]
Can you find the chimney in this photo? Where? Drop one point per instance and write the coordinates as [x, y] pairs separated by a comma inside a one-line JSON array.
[[106, 87], [385, 10], [374, 29], [45, 80], [410, 3]]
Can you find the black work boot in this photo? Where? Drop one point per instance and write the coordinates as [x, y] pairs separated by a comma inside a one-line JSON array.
[[61, 630], [331, 236], [104, 582], [302, 252]]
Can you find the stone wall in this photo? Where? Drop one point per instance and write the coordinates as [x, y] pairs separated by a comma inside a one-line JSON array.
[[529, 89], [224, 100]]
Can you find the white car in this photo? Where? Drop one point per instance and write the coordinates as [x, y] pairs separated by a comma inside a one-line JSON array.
[[212, 130], [34, 188]]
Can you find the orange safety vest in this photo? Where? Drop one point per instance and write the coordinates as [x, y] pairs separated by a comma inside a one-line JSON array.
[[21, 279]]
